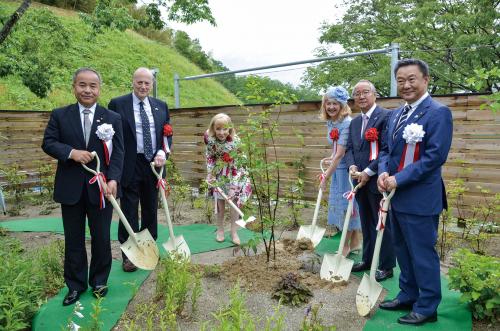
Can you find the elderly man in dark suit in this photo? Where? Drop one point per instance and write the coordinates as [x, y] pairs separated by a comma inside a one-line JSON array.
[[144, 119], [416, 145], [70, 137], [363, 143]]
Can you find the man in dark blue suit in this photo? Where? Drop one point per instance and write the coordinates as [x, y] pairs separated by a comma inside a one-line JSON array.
[[143, 119], [362, 155], [416, 145], [70, 137]]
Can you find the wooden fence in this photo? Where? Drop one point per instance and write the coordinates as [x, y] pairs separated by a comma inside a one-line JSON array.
[[476, 142]]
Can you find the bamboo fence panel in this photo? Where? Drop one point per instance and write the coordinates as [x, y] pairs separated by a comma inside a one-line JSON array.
[[475, 144]]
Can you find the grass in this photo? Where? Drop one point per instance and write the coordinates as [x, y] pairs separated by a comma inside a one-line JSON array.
[[115, 55]]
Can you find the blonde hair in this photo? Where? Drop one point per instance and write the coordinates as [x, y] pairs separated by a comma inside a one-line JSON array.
[[221, 117], [343, 113]]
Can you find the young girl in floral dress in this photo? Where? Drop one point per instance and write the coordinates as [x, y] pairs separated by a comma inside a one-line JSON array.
[[222, 149], [335, 111]]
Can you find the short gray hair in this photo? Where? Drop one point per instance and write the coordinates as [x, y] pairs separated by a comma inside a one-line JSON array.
[[84, 69], [372, 87]]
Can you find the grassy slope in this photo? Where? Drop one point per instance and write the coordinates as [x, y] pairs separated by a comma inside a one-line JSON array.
[[115, 55]]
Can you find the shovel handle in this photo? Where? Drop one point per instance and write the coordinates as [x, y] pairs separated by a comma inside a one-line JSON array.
[[231, 203], [380, 235], [164, 202], [111, 198]]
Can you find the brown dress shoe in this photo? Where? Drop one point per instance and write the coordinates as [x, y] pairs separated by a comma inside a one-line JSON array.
[[128, 266]]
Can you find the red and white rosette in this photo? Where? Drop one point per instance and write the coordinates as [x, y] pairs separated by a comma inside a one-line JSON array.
[[371, 135], [334, 136], [105, 132], [413, 134], [102, 201], [167, 132]]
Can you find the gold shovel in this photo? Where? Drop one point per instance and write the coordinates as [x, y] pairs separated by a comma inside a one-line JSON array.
[[174, 244], [337, 268], [369, 289], [140, 248]]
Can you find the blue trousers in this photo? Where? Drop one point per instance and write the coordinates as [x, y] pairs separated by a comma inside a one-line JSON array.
[[414, 239]]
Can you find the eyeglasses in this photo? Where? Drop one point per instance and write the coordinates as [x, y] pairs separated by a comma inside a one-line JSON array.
[[362, 93]]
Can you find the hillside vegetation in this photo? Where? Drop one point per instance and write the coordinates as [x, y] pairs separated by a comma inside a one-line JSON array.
[[114, 54]]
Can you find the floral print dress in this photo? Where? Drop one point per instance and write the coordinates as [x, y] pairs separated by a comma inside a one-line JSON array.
[[221, 163]]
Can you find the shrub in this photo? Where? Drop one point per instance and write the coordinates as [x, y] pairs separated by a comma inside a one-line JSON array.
[[476, 277], [25, 280], [176, 279], [290, 291]]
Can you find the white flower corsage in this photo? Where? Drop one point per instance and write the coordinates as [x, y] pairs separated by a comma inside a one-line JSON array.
[[105, 132], [413, 134]]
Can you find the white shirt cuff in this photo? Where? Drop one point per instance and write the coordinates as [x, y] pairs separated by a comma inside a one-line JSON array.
[[161, 153], [369, 171]]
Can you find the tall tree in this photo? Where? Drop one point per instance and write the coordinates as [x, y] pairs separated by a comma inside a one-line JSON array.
[[453, 36]]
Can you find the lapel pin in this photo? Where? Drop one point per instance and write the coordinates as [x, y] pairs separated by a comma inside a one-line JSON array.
[[98, 121]]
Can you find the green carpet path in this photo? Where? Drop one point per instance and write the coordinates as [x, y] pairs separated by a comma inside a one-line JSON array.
[[452, 315]]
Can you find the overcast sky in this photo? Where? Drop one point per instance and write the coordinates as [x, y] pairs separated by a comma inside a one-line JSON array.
[[253, 33]]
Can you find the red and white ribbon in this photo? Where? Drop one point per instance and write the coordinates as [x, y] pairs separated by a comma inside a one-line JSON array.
[[381, 212], [165, 145], [334, 148], [102, 201], [164, 186], [349, 195], [108, 149], [373, 150], [410, 154]]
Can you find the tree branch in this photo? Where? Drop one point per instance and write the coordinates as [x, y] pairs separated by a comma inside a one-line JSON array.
[[13, 20]]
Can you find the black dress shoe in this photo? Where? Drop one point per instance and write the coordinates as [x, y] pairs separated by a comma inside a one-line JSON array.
[[71, 297], [417, 319], [360, 266], [396, 305], [381, 275], [100, 291], [128, 266]]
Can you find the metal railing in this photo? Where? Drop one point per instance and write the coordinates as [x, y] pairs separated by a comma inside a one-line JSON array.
[[393, 49]]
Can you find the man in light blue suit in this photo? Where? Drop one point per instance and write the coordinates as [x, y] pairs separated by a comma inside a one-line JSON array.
[[414, 148]]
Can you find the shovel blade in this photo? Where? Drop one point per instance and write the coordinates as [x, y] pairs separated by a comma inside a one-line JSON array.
[[368, 292], [313, 233], [336, 268], [142, 251], [178, 245], [241, 222]]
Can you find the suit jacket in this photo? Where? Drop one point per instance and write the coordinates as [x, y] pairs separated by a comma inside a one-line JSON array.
[[123, 105], [420, 188], [64, 132], [358, 149]]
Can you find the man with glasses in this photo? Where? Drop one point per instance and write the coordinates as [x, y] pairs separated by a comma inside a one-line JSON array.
[[363, 143]]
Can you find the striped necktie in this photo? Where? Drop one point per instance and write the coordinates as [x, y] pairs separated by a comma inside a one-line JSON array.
[[146, 133], [402, 120], [86, 125]]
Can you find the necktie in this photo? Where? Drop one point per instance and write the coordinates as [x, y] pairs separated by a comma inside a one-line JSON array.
[[86, 125], [146, 133], [365, 123], [402, 120]]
